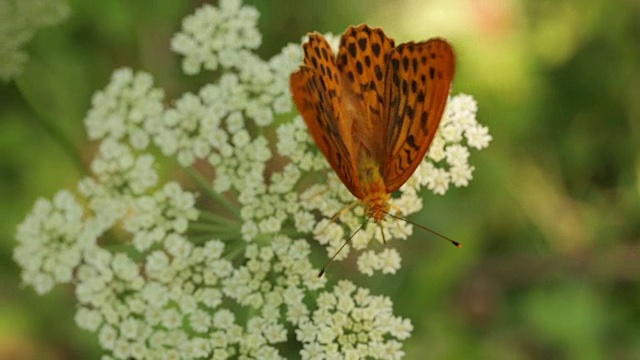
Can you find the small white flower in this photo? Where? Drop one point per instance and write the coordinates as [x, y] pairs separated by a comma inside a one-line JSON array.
[[249, 230], [457, 155], [436, 150], [171, 319], [107, 337], [88, 319], [461, 175], [451, 132], [235, 122], [327, 231], [200, 321], [124, 267], [195, 348], [389, 261], [304, 221], [155, 294], [463, 107], [129, 328], [438, 181], [478, 137], [223, 319]]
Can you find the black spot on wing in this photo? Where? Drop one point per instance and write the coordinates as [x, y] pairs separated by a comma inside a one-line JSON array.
[[411, 141], [395, 64], [423, 122], [378, 71], [343, 59], [409, 111], [352, 49], [362, 42], [351, 77], [375, 48]]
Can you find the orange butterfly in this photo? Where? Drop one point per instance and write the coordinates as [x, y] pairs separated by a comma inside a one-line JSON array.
[[374, 109]]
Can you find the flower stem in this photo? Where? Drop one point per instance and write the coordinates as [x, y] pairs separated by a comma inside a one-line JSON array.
[[212, 227], [206, 187], [213, 217], [50, 127]]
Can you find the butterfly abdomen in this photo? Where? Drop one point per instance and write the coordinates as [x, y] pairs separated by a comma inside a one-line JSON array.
[[375, 197]]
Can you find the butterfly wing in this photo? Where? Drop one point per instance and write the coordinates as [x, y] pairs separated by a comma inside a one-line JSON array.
[[317, 92], [362, 60], [417, 83]]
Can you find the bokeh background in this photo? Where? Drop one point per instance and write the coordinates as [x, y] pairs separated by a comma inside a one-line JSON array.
[[550, 267]]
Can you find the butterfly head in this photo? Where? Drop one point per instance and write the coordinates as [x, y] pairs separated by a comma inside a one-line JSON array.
[[376, 204]]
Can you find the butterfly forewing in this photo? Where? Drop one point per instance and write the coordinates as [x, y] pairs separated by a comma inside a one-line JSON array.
[[362, 60], [317, 92], [417, 81]]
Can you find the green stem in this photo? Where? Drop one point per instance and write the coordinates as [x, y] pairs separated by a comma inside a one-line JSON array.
[[202, 238], [53, 130], [234, 251], [212, 227], [206, 187], [215, 218]]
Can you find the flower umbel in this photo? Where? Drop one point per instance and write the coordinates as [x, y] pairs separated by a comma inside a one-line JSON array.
[[162, 270], [19, 21]]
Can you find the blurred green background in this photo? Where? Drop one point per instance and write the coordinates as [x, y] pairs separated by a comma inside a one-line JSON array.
[[550, 266]]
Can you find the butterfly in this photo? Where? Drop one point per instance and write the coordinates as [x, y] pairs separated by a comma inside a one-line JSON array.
[[374, 109]]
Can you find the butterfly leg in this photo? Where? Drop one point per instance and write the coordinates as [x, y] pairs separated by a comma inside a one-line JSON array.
[[397, 209], [337, 215], [384, 239]]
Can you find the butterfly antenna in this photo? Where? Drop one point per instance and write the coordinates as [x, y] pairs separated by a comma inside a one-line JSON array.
[[457, 244], [342, 247]]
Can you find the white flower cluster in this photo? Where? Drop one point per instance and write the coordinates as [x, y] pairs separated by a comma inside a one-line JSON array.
[[216, 36], [161, 272], [126, 109], [166, 306], [447, 159], [52, 239], [19, 20], [349, 323]]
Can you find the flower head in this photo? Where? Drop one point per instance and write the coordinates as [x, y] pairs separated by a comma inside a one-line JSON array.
[[217, 264]]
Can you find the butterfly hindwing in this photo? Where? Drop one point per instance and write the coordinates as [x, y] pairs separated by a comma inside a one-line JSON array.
[[417, 83], [317, 92]]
